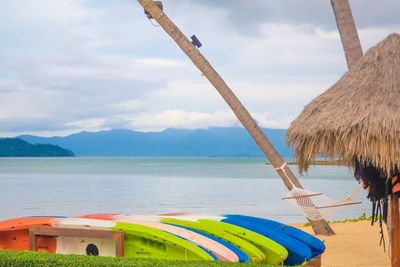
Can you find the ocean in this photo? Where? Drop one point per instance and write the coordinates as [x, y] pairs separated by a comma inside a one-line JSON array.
[[76, 186]]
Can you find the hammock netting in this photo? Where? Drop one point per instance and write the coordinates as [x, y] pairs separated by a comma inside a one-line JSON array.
[[317, 206]]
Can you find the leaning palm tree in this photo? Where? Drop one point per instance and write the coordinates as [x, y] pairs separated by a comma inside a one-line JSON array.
[[348, 31], [320, 226]]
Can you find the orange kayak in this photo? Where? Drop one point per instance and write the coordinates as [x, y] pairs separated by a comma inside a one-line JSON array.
[[99, 216], [14, 234]]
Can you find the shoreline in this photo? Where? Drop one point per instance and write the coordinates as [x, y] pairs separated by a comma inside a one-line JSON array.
[[322, 163]]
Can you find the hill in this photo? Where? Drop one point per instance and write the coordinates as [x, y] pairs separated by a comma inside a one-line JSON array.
[[213, 142], [16, 147]]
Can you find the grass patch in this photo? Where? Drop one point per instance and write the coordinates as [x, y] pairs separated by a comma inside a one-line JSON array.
[[363, 217], [36, 259]]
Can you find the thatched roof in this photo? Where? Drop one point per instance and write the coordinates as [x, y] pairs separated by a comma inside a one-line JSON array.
[[358, 117]]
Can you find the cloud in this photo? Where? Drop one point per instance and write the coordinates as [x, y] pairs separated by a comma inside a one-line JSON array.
[[176, 118], [94, 124], [373, 13], [75, 65]]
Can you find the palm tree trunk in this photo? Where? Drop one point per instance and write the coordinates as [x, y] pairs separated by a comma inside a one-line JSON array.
[[348, 31], [319, 226]]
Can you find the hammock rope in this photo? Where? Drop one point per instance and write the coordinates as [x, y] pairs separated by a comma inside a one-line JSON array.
[[320, 207]]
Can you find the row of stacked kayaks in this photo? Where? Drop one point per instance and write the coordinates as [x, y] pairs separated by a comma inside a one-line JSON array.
[[178, 236]]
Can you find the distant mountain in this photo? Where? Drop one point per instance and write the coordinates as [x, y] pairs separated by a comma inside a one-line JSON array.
[[213, 142], [16, 147]]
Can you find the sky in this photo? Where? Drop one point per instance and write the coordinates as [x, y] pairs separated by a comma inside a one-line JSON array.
[[88, 65]]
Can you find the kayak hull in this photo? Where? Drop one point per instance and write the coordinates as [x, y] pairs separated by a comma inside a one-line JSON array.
[[14, 234], [316, 246], [146, 242], [254, 253], [298, 252], [216, 248], [171, 236]]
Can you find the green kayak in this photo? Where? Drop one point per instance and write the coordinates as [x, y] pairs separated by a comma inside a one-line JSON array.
[[255, 254], [274, 252], [146, 242]]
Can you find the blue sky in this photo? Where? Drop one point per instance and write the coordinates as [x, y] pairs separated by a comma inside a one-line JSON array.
[[73, 65]]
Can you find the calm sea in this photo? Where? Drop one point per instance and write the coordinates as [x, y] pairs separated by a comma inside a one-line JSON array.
[[75, 186]]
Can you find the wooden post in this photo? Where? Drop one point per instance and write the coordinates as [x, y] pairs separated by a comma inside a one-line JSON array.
[[395, 230], [289, 179]]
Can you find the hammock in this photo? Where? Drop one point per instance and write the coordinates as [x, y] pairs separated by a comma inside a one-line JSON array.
[[316, 206]]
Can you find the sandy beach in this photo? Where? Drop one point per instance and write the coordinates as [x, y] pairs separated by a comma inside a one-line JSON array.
[[355, 244]]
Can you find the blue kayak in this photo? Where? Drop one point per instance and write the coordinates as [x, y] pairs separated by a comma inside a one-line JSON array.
[[298, 252], [316, 246]]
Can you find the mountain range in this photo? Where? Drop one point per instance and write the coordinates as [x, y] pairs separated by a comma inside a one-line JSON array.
[[212, 142]]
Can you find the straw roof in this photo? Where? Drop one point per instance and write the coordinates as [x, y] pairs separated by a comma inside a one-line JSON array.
[[358, 117]]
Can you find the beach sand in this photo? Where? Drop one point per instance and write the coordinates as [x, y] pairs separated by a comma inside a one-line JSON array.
[[355, 244]]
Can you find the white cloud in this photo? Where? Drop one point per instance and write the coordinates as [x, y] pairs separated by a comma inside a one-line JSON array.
[[176, 118], [88, 65], [35, 11], [94, 124], [372, 35], [272, 121], [159, 62]]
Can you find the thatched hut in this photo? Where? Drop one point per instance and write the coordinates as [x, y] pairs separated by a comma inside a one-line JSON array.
[[357, 121], [358, 117]]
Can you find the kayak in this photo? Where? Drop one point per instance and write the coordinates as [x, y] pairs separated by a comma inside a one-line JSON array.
[[298, 252], [83, 223], [146, 242], [85, 245], [255, 254], [14, 234], [260, 248], [301, 246], [140, 241], [316, 246], [219, 250], [172, 236], [241, 256], [274, 252], [99, 216]]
